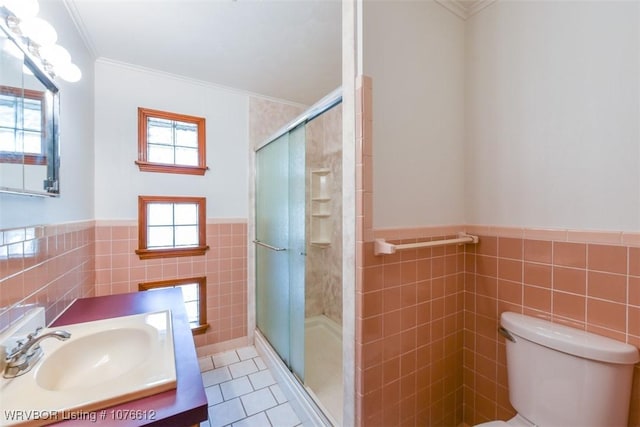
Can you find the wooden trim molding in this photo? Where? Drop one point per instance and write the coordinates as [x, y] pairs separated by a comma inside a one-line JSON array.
[[143, 162], [202, 296], [22, 159], [167, 168], [149, 253]]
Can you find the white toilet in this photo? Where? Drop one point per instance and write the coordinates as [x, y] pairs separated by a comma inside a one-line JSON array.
[[563, 377]]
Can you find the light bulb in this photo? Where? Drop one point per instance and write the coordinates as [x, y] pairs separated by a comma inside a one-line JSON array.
[[69, 72], [55, 55], [23, 9], [39, 31]]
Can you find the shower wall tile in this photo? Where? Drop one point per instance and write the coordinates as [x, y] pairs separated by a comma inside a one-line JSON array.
[[47, 266], [323, 294], [120, 270], [267, 117]]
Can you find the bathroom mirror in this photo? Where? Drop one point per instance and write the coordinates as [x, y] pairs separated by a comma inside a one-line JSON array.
[[29, 104]]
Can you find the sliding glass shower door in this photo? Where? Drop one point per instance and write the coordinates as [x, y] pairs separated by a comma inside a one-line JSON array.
[[280, 246]]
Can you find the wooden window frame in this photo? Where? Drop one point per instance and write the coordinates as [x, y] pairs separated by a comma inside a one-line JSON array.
[[202, 297], [146, 253], [145, 165], [17, 157]]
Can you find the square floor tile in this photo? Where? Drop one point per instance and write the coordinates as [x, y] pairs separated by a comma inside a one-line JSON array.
[[258, 420], [246, 353], [243, 368], [278, 394], [226, 413], [226, 358], [235, 388], [206, 363], [258, 401], [260, 363], [261, 379], [214, 396], [215, 376], [283, 416]]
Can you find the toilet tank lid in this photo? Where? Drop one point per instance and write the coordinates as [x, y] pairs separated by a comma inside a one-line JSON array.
[[569, 340]]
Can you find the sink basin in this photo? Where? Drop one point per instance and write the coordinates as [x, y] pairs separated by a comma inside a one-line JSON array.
[[104, 363]]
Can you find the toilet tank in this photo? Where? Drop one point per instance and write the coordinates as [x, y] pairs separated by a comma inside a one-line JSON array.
[[564, 377]]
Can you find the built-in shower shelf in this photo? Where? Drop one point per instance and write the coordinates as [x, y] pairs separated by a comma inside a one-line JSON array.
[[321, 244], [321, 228]]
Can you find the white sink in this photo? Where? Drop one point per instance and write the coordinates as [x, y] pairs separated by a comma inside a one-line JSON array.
[[104, 363]]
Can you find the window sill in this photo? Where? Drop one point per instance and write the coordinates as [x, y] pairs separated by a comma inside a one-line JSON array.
[[200, 329], [168, 168], [19, 158], [171, 252]]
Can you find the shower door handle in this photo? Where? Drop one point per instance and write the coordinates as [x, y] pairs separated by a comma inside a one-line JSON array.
[[273, 248]]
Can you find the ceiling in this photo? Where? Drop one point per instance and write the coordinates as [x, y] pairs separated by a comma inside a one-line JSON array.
[[284, 49]]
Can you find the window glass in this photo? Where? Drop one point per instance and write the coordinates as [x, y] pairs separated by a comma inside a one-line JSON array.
[[186, 156], [160, 237], [194, 295], [186, 235], [20, 123], [186, 214], [160, 214]]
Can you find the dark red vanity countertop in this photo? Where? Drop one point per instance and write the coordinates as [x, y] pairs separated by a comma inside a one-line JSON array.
[[184, 406]]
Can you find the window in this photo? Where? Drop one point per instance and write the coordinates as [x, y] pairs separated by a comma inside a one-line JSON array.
[[171, 226], [171, 143], [194, 294], [21, 126]]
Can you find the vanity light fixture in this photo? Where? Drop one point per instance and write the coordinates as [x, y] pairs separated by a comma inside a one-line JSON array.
[[39, 38]]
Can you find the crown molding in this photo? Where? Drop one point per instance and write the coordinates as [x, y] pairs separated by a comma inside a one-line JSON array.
[[478, 5], [193, 81], [81, 27]]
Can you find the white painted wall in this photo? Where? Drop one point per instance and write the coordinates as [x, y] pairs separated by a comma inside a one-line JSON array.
[[552, 117], [76, 140], [527, 114], [414, 51], [119, 91]]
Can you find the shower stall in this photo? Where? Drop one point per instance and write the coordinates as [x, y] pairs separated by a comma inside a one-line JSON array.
[[298, 251]]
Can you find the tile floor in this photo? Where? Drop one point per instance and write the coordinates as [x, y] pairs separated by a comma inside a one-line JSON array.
[[242, 392]]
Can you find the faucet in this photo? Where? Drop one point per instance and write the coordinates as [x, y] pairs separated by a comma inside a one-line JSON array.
[[26, 354]]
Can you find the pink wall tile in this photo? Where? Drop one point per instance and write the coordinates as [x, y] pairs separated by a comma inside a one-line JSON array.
[[570, 254], [224, 265], [611, 287], [60, 269], [538, 251], [538, 274], [608, 258]]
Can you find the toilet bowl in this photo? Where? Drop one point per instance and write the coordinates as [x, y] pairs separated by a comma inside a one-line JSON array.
[[560, 376]]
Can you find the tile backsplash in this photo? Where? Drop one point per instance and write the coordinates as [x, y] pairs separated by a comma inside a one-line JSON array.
[[51, 266], [47, 266]]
